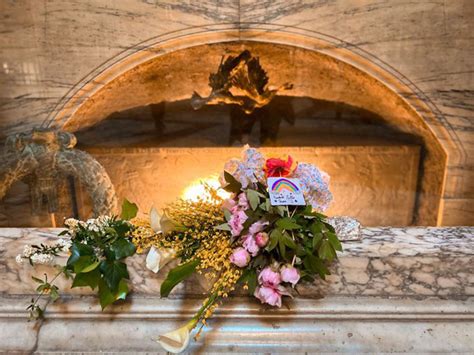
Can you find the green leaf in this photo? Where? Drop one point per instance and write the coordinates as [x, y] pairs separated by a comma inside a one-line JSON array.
[[123, 248], [316, 240], [253, 198], [178, 274], [329, 227], [287, 223], [332, 238], [113, 272], [308, 212], [259, 261], [111, 231], [282, 248], [122, 291], [227, 215], [268, 204], [77, 250], [316, 228], [223, 227], [274, 238], [280, 210], [53, 293], [107, 297], [121, 228], [232, 184], [85, 279], [286, 239], [85, 263], [315, 265], [37, 279], [129, 210], [326, 251], [249, 277]]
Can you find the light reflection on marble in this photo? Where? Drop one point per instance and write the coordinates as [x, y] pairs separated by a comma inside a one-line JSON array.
[[387, 262]]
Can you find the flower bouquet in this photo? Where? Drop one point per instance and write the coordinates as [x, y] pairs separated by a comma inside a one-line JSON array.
[[268, 236]]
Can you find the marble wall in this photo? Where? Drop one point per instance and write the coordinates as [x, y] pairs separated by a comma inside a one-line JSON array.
[[51, 51]]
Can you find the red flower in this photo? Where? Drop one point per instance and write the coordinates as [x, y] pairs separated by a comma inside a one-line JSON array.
[[275, 167]]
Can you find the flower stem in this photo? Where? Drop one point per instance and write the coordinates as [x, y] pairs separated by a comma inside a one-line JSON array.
[[212, 298], [43, 292]]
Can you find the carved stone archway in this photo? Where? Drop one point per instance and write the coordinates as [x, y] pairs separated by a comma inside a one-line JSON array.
[[319, 67]]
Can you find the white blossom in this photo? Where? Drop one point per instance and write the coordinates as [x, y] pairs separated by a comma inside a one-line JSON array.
[[28, 251], [39, 258], [19, 259], [247, 171], [71, 223], [64, 244], [314, 184]]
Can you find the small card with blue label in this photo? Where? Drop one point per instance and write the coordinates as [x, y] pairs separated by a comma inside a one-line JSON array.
[[285, 191]]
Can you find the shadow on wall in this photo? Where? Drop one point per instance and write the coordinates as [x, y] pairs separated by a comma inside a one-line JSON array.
[[286, 121], [375, 168]]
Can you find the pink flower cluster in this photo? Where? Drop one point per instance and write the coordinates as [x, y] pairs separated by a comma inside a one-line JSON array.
[[251, 242], [270, 290]]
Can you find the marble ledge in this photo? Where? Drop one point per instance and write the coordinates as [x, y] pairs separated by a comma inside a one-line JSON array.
[[338, 324], [396, 290], [387, 262]]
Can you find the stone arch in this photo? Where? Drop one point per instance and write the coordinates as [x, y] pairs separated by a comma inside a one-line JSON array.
[[321, 67]]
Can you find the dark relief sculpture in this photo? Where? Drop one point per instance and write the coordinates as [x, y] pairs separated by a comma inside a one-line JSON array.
[[41, 157], [240, 81]]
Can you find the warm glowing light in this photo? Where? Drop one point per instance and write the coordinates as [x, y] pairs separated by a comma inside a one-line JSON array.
[[197, 190]]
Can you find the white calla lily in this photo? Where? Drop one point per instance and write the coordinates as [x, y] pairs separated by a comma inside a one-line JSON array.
[[155, 220], [158, 258], [177, 340]]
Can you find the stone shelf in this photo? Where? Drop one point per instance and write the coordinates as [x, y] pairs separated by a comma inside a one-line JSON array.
[[398, 289]]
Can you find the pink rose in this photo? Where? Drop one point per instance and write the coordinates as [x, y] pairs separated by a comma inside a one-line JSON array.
[[268, 277], [236, 222], [229, 204], [257, 227], [289, 274], [261, 239], [250, 245], [243, 201], [268, 294], [240, 257]]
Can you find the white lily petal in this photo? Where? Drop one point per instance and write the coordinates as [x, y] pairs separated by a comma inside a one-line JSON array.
[[158, 258], [155, 220], [153, 260], [177, 340]]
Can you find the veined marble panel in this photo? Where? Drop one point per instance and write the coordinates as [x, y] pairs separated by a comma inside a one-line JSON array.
[[386, 262]]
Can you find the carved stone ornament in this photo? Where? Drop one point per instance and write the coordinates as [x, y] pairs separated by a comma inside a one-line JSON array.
[[240, 81], [41, 157]]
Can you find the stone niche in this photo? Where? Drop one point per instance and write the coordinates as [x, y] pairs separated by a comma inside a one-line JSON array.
[[387, 167]]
